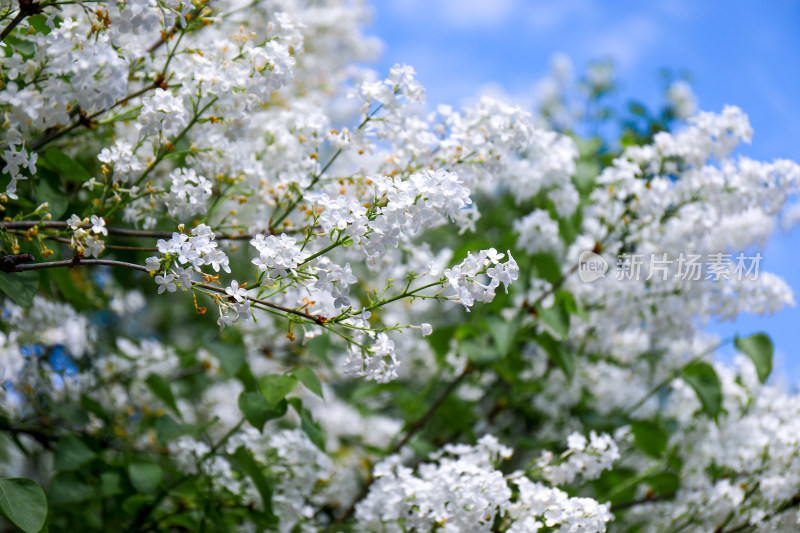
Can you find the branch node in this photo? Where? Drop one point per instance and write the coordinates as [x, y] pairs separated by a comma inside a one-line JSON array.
[[29, 7], [8, 263]]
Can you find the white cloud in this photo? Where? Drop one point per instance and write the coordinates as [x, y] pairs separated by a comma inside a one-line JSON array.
[[554, 15], [477, 13], [626, 43], [408, 9]]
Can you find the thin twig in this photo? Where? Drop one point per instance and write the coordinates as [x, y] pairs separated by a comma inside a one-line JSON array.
[[420, 422], [7, 265], [86, 120], [13, 263], [318, 319], [794, 502], [642, 501], [58, 224], [26, 9], [412, 430], [175, 27]]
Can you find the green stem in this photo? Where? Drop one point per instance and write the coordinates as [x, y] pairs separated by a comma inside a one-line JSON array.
[[673, 375], [163, 152]]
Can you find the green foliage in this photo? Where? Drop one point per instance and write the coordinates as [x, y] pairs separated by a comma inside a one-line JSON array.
[[559, 354], [703, 379], [308, 378], [71, 453], [67, 167], [257, 410], [48, 189], [161, 388], [22, 501], [275, 387], [264, 485], [650, 437], [758, 347], [21, 287], [145, 476], [307, 423]]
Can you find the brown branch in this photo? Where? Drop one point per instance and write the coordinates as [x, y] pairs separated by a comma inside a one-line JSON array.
[[64, 240], [318, 319], [47, 434], [12, 263], [27, 224], [26, 9], [412, 430], [532, 308], [87, 120], [9, 263], [418, 424], [168, 235], [642, 501], [166, 36], [794, 502]]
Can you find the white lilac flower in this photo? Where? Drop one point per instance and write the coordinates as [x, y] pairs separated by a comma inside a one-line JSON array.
[[99, 225], [278, 256], [236, 292], [166, 283]]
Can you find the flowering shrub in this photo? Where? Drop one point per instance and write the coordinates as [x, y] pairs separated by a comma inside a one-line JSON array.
[[251, 285]]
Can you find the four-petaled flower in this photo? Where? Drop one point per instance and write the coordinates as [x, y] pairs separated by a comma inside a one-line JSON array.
[[99, 225], [236, 292], [166, 283]]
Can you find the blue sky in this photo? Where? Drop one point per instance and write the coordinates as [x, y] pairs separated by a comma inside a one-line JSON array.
[[738, 52]]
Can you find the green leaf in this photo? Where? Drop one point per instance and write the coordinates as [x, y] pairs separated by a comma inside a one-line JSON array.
[[547, 267], [649, 437], [318, 346], [179, 153], [703, 379], [231, 356], [571, 305], [130, 114], [161, 388], [557, 317], [72, 453], [664, 482], [480, 353], [585, 174], [48, 189], [439, 340], [65, 280], [68, 487], [503, 333], [23, 502], [145, 476], [133, 504], [167, 429], [39, 23], [759, 349], [559, 354], [249, 465], [21, 287], [66, 166], [110, 484], [70, 414], [93, 406], [308, 378], [245, 375], [311, 428], [275, 387], [257, 411]]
